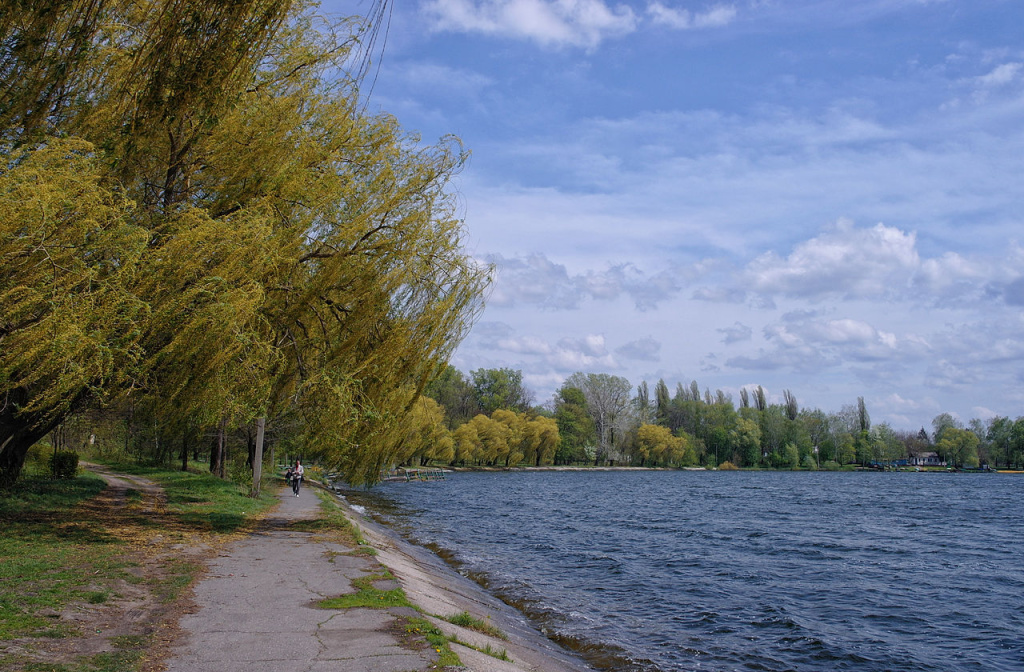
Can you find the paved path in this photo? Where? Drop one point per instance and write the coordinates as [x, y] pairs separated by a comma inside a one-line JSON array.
[[257, 608]]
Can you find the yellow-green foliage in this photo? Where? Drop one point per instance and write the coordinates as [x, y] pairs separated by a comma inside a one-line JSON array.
[[225, 233]]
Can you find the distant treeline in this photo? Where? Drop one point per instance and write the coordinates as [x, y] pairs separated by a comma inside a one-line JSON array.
[[490, 419]]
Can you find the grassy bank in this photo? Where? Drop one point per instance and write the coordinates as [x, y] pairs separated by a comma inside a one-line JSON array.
[[75, 555]]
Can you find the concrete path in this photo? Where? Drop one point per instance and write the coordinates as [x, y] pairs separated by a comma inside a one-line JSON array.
[[257, 608]]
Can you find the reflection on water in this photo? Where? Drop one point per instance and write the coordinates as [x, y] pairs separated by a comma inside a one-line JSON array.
[[727, 571]]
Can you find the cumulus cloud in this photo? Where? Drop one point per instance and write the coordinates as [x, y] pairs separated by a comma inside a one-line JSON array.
[[553, 23], [684, 19], [542, 357], [644, 350], [736, 333], [876, 263], [816, 343], [527, 345], [1001, 75], [587, 353], [847, 339], [946, 274], [895, 403], [846, 261], [536, 280]]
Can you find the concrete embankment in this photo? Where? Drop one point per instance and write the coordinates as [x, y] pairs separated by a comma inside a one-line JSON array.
[[258, 608], [437, 589]]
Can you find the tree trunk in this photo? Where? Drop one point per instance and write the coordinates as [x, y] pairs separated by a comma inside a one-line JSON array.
[[223, 469], [257, 462], [214, 452], [16, 437]]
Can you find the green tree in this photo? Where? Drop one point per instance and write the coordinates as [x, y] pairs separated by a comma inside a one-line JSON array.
[[662, 402], [454, 392], [1000, 437], [327, 279], [575, 426], [959, 447], [69, 319], [501, 389], [746, 441], [942, 423], [1016, 459], [424, 435], [608, 402]]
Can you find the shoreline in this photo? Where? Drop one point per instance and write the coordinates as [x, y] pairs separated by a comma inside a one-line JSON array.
[[436, 587]]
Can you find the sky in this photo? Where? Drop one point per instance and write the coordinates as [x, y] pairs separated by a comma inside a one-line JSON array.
[[820, 196]]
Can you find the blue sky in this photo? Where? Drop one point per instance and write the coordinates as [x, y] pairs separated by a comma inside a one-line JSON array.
[[822, 196]]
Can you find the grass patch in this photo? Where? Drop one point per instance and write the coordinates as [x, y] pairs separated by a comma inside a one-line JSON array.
[[202, 501], [466, 620], [367, 596], [332, 522], [97, 597], [437, 640], [50, 556], [67, 546], [494, 653], [179, 575]]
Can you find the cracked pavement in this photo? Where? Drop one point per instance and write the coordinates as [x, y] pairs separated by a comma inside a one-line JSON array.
[[256, 609]]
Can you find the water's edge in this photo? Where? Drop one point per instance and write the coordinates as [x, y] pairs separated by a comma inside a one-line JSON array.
[[519, 627]]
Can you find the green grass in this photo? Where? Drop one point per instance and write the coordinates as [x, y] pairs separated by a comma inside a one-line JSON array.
[[56, 555], [466, 620], [202, 501], [332, 521], [367, 596], [437, 640], [50, 559]]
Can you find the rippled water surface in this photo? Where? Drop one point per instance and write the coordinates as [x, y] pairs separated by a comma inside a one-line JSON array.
[[742, 571]]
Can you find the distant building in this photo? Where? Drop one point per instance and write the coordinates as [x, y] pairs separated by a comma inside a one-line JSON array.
[[927, 460]]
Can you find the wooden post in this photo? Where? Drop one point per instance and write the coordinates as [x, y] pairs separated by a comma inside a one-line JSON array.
[[257, 460]]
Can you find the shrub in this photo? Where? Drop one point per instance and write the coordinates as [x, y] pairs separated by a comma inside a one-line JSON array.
[[831, 465], [727, 466], [64, 464]]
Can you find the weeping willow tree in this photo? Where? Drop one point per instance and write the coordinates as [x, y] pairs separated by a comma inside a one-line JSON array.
[[196, 213]]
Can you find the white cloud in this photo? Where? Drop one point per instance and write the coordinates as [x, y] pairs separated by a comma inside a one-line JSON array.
[[684, 19], [645, 350], [529, 345], [554, 23], [535, 279], [736, 333], [984, 413], [854, 263], [582, 354], [1001, 75]]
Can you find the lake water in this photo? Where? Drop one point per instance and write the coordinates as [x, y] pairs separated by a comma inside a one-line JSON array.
[[666, 571]]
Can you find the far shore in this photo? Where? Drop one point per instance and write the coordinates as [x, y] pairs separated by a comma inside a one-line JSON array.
[[469, 469]]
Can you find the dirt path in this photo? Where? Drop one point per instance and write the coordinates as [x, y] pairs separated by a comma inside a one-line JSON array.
[[142, 605]]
